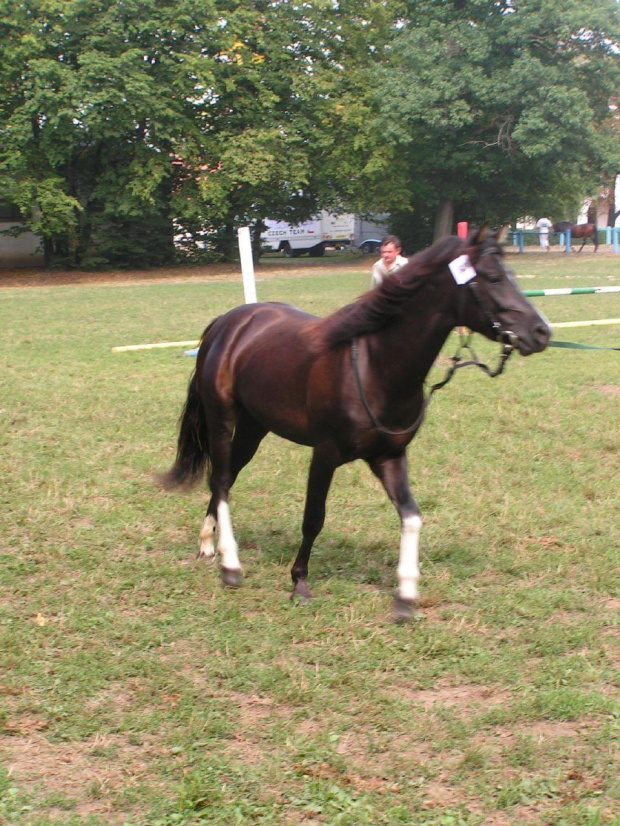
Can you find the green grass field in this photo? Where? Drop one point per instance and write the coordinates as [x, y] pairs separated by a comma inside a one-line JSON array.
[[135, 690]]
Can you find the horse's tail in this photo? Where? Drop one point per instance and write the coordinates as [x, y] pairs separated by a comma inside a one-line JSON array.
[[595, 238], [193, 443]]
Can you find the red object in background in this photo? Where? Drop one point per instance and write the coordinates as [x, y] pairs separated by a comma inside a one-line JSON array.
[[461, 229]]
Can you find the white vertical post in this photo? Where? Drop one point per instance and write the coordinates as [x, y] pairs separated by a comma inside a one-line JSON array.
[[247, 265]]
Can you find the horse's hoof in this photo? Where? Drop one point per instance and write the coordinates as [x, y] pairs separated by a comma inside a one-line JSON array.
[[403, 609], [301, 594], [232, 577], [203, 557]]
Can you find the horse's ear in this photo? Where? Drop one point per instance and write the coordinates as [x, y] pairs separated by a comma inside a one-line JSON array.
[[477, 236], [503, 233]]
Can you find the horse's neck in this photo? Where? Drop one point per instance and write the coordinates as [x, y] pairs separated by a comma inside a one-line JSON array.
[[406, 350]]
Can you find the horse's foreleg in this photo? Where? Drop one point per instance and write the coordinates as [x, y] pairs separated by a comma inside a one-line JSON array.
[[393, 475], [319, 481]]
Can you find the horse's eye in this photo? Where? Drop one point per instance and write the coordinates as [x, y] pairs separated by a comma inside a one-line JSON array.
[[495, 278]]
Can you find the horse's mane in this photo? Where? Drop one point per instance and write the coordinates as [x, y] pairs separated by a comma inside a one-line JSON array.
[[378, 307]]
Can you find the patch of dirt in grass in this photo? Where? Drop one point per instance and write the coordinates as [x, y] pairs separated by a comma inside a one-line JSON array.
[[119, 696], [252, 708], [541, 731], [611, 390], [463, 698], [267, 268], [254, 714], [88, 777], [440, 795], [354, 745], [24, 725], [246, 749], [611, 630], [611, 604], [365, 773], [518, 816], [56, 278]]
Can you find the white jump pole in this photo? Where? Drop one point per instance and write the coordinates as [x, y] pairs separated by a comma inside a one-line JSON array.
[[249, 291], [158, 345], [597, 322], [247, 265]]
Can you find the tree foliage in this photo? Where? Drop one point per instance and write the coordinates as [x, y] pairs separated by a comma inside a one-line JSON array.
[[121, 117], [502, 107], [89, 132], [125, 124]]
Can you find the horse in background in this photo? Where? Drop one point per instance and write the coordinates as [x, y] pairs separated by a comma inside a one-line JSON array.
[[584, 231]]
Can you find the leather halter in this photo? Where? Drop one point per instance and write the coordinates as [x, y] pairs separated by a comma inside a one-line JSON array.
[[507, 339]]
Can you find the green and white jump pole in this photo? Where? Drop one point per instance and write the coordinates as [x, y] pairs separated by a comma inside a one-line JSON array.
[[249, 287], [572, 291]]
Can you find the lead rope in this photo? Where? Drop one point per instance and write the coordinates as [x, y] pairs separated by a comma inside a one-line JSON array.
[[457, 363]]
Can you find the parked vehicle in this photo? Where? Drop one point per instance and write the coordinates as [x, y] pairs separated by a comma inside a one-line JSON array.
[[371, 245], [329, 229]]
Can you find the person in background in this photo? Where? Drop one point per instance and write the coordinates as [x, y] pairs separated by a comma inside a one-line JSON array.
[[543, 225], [391, 259]]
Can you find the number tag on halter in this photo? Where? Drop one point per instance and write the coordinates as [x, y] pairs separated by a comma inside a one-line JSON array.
[[462, 269]]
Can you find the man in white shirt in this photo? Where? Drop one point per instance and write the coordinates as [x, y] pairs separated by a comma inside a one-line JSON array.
[[391, 259], [543, 225]]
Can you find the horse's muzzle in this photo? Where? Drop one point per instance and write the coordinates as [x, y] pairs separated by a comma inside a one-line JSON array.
[[536, 340]]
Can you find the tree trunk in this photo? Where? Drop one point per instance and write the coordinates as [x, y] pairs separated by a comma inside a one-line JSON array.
[[229, 246], [257, 230], [444, 220], [614, 208], [48, 252]]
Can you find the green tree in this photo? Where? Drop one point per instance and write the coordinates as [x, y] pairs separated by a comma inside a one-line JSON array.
[[88, 132], [610, 167], [127, 122], [291, 111], [500, 107]]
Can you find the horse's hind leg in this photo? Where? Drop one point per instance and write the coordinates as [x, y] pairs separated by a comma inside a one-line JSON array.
[[207, 535], [248, 435], [319, 481]]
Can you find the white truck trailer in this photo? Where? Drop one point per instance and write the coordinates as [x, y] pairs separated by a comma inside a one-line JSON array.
[[328, 229]]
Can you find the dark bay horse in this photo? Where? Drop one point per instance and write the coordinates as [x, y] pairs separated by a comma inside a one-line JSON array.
[[577, 231], [350, 385]]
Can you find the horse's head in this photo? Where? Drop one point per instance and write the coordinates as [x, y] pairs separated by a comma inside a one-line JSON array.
[[562, 226], [494, 304]]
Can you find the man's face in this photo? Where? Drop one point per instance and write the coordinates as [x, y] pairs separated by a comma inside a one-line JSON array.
[[389, 253]]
